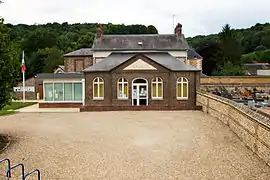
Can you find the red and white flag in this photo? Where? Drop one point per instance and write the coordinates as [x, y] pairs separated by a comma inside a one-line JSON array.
[[23, 67]]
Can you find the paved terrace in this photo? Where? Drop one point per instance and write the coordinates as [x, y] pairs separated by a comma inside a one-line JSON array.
[[129, 146]]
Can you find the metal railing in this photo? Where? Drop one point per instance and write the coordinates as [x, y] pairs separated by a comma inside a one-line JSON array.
[[23, 175], [32, 172], [8, 164]]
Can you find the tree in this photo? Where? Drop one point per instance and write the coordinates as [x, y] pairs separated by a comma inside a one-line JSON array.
[[210, 51], [248, 38], [52, 60], [9, 68], [230, 69], [152, 30], [229, 62], [260, 48], [230, 47], [85, 40]]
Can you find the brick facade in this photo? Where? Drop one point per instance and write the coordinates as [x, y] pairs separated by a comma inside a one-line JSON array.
[[195, 63], [169, 78], [77, 64], [60, 105]]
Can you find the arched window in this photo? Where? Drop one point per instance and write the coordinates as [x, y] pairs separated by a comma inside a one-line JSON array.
[[157, 88], [98, 88], [122, 88], [182, 88]]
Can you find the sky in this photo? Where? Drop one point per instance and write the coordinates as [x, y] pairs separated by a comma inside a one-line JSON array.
[[198, 17]]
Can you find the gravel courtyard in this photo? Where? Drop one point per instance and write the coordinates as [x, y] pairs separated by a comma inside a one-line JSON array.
[[146, 145]]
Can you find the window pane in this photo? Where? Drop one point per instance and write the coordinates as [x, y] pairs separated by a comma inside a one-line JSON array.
[[125, 90], [58, 92], [120, 90], [96, 80], [184, 80], [95, 90], [68, 92], [159, 90], [185, 89], [48, 91], [154, 90], [77, 91], [179, 90], [101, 90]]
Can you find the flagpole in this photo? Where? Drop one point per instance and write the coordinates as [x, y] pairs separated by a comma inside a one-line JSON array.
[[23, 81]]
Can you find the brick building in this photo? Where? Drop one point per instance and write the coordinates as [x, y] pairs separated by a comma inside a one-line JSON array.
[[150, 71]]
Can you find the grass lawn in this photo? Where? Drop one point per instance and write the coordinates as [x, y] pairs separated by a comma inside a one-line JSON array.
[[9, 109]]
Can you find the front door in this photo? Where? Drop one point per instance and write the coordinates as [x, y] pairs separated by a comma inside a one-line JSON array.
[[139, 94]]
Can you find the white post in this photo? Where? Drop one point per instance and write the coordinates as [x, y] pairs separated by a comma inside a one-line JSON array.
[[83, 91], [23, 86], [23, 72]]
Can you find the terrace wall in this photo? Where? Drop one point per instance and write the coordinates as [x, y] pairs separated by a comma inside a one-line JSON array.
[[229, 82], [251, 127]]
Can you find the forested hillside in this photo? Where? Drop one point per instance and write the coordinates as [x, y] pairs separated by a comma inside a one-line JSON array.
[[45, 44], [250, 39], [243, 45]]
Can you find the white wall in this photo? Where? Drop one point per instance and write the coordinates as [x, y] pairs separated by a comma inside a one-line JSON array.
[[107, 53], [178, 53], [102, 54], [263, 72]]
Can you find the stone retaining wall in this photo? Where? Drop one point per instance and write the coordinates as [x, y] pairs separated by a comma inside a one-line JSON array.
[[251, 127], [235, 80]]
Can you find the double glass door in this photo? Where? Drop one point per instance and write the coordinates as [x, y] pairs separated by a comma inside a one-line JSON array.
[[139, 95]]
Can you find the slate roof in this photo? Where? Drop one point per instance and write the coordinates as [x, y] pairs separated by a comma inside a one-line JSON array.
[[59, 75], [164, 59], [203, 75], [149, 42], [80, 52], [192, 54], [255, 66]]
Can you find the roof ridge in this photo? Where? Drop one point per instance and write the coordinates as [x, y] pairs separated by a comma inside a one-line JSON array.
[[138, 34]]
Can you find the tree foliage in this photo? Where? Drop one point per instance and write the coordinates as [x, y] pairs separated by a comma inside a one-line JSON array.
[[45, 44], [248, 39], [257, 56], [223, 53], [210, 51], [230, 47], [9, 66]]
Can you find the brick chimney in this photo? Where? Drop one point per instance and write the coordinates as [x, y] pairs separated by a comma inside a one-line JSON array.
[[99, 31], [178, 30]]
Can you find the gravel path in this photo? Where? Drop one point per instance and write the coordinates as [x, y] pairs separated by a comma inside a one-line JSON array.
[[129, 146]]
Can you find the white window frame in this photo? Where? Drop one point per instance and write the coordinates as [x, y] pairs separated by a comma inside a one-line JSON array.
[[62, 82], [99, 82], [157, 82], [122, 81], [182, 82]]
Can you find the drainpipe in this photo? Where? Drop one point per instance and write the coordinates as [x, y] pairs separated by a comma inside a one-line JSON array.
[[83, 91]]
